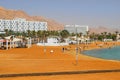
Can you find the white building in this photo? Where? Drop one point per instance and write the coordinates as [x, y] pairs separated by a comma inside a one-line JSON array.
[[52, 41], [76, 29], [118, 37], [21, 25]]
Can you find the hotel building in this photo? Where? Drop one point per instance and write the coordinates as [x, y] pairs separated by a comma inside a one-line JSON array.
[[21, 25], [76, 29]]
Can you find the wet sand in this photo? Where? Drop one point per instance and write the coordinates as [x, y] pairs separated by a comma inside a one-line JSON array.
[[34, 60]]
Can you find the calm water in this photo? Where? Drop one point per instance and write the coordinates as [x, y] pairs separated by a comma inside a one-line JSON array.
[[108, 53]]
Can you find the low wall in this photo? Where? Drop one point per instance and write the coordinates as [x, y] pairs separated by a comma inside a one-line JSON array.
[[52, 44]]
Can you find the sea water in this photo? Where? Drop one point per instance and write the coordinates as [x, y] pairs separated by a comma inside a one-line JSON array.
[[112, 53]]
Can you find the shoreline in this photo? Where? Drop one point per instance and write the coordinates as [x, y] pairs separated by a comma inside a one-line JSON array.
[[106, 47]]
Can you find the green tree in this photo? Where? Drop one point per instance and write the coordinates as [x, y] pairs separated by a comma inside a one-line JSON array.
[[72, 34], [113, 36], [92, 36], [6, 32], [80, 34], [33, 34], [109, 36], [29, 33], [64, 33], [105, 34], [11, 32], [24, 34]]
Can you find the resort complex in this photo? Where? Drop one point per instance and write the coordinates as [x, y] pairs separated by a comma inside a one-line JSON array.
[[21, 25], [77, 29]]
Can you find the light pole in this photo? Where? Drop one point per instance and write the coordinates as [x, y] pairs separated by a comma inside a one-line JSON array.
[[59, 32], [44, 43], [77, 49]]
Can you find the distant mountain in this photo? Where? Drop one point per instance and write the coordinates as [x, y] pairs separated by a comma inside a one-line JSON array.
[[101, 29], [11, 14]]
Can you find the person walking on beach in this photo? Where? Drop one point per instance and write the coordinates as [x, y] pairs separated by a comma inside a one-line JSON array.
[[76, 49], [63, 49], [77, 54]]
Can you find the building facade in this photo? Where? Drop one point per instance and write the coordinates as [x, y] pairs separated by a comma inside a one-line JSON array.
[[76, 29], [21, 25]]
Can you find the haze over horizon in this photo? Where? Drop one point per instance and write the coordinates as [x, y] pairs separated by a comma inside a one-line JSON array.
[[82, 12]]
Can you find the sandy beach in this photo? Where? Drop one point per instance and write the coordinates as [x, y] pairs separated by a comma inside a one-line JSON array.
[[35, 60]]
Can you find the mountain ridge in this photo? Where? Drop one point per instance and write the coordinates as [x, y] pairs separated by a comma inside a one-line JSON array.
[[101, 29]]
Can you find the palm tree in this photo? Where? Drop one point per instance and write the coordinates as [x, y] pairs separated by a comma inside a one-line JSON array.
[[105, 33], [6, 32], [44, 35], [116, 32], [54, 33], [17, 33], [87, 33], [92, 36], [10, 32], [29, 33], [80, 34], [72, 34], [40, 35], [113, 36], [109, 36], [33, 33], [97, 36], [102, 36], [24, 34]]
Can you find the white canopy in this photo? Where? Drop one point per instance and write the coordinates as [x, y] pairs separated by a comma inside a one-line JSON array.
[[17, 39], [8, 37]]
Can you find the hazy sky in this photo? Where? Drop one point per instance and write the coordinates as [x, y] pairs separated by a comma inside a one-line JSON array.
[[83, 12]]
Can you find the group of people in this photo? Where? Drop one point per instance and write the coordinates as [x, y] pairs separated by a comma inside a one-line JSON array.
[[77, 49]]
